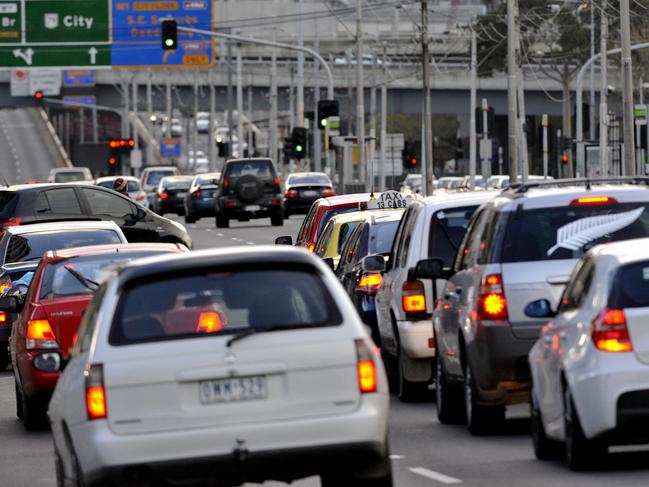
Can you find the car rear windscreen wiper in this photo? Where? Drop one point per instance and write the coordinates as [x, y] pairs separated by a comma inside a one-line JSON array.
[[88, 283], [253, 331]]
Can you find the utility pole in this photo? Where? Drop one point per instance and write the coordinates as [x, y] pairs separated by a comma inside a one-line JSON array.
[[360, 91], [486, 165], [211, 152], [384, 120], [545, 146], [603, 105], [592, 74], [300, 68], [273, 98], [169, 106], [473, 136], [149, 96], [372, 145], [316, 164], [240, 135], [512, 76], [229, 102], [428, 130], [627, 89], [194, 129]]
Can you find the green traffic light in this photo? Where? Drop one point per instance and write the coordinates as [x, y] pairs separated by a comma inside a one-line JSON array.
[[299, 148], [169, 42], [323, 122]]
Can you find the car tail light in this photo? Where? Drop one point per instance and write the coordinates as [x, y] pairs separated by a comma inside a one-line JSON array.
[[9, 222], [593, 200], [492, 303], [164, 196], [413, 297], [209, 322], [369, 284], [226, 183], [197, 194], [95, 392], [366, 367], [327, 193], [230, 204], [40, 335], [291, 193], [5, 286], [3, 317], [610, 333]]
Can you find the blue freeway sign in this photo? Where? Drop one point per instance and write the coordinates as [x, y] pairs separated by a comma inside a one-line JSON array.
[[79, 77], [170, 148]]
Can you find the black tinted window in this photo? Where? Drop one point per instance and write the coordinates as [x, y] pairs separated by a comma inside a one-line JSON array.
[[7, 203], [329, 214], [447, 228], [318, 180], [223, 303], [382, 236], [111, 204], [58, 201], [630, 287], [153, 178], [568, 232], [261, 169], [69, 177], [33, 245]]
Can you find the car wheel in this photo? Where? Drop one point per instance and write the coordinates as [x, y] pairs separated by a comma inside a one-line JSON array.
[[544, 447], [189, 218], [448, 399], [408, 391], [277, 219], [390, 369], [58, 468], [480, 419], [34, 414], [78, 474], [222, 221], [19, 401], [581, 453], [287, 214]]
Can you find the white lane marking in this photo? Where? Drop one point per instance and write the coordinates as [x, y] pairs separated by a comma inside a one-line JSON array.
[[219, 234], [251, 243], [235, 239], [208, 229], [397, 457], [431, 474]]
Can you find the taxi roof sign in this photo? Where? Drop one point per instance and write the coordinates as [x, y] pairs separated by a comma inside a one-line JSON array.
[[388, 200]]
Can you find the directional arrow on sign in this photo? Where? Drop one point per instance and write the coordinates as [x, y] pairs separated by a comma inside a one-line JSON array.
[[25, 56], [93, 55]]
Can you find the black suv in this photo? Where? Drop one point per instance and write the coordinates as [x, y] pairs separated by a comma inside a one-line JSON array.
[[249, 189], [40, 203]]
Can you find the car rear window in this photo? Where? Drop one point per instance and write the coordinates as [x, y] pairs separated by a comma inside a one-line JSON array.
[[329, 214], [154, 177], [69, 176], [82, 275], [568, 232], [382, 236], [630, 287], [310, 180], [8, 201], [176, 183], [223, 302], [447, 228], [133, 186], [32, 246], [261, 169]]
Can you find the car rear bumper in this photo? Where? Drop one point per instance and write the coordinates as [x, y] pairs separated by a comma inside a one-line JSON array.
[[612, 397], [500, 364], [252, 452], [202, 207], [178, 205], [415, 337], [298, 205], [36, 383], [235, 209]]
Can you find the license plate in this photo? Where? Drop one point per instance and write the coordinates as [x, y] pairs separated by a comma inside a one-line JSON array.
[[237, 389], [182, 194], [309, 194], [253, 208]]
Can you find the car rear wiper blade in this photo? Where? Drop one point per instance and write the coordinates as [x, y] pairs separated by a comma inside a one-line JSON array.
[[253, 331], [89, 283]]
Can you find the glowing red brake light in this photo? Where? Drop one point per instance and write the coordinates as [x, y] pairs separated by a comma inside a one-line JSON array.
[[413, 297], [492, 303], [291, 193], [164, 196], [366, 367], [9, 222], [369, 284], [197, 193], [3, 317], [209, 322], [610, 333], [327, 193], [96, 407], [593, 200], [226, 183], [4, 287], [40, 335]]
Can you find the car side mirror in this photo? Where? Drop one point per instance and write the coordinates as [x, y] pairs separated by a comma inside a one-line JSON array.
[[540, 308], [11, 304], [429, 269], [330, 263], [285, 240], [373, 264]]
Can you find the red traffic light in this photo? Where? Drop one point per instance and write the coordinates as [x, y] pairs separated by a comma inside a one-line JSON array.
[[39, 95], [564, 158], [112, 161]]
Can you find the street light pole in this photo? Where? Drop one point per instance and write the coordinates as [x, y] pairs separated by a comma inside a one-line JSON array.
[[428, 130], [360, 93], [474, 105], [512, 68], [603, 105], [627, 89]]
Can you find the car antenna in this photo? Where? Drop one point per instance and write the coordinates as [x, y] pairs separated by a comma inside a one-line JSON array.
[[5, 180]]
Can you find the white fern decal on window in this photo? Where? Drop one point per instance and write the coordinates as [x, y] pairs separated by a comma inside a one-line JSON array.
[[575, 235]]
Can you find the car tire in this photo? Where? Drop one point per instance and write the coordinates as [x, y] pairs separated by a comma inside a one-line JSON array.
[[389, 362], [581, 453], [78, 474], [480, 419], [19, 401], [222, 221], [34, 414], [277, 219], [448, 399], [544, 447], [408, 391], [287, 214], [58, 469], [189, 218]]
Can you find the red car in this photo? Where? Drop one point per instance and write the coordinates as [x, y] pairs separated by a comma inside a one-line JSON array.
[[321, 212], [62, 287]]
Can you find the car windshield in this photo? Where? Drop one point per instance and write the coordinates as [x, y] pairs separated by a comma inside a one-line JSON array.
[[176, 183], [223, 302], [31, 246], [568, 232], [207, 179], [69, 176], [382, 236], [261, 169], [329, 214], [82, 275], [447, 229], [133, 186], [312, 179], [7, 202], [153, 178]]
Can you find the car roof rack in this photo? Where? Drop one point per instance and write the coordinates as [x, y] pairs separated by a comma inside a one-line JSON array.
[[521, 188]]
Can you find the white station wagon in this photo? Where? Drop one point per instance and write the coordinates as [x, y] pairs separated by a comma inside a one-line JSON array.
[[229, 366]]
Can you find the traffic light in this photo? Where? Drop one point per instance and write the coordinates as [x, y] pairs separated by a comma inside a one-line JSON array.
[[121, 146], [169, 35], [39, 97], [408, 159], [300, 140], [326, 109], [112, 161]]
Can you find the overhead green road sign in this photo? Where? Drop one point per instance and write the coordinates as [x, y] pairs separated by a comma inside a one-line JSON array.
[[53, 56], [10, 22], [71, 21]]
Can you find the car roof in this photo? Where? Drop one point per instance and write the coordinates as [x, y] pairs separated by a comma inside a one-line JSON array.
[[177, 179], [624, 251], [305, 174], [57, 226], [250, 257], [160, 168], [115, 249], [69, 169], [344, 199], [18, 266], [38, 186], [454, 200], [363, 215], [113, 178]]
